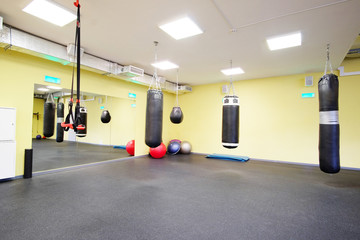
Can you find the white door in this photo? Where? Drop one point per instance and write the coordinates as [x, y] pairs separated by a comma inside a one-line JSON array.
[[7, 124]]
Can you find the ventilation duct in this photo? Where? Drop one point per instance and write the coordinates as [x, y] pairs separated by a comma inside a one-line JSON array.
[[354, 51], [72, 53], [1, 23], [131, 71], [40, 96], [26, 43], [184, 89]]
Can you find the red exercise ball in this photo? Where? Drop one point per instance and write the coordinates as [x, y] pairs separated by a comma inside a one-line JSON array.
[[130, 147], [159, 151]]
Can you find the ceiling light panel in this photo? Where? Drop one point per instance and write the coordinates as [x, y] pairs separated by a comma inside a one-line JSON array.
[[54, 87], [285, 41], [43, 89], [232, 71], [165, 65], [181, 28], [50, 12]]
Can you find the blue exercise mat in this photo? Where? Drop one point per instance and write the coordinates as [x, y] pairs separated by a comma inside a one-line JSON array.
[[120, 146], [229, 157]]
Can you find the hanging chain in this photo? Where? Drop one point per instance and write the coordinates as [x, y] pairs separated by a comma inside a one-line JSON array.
[[231, 86], [328, 59], [177, 87], [155, 76], [51, 98]]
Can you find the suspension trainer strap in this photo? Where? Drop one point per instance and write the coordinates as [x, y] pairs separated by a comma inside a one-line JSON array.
[[76, 122], [77, 107]]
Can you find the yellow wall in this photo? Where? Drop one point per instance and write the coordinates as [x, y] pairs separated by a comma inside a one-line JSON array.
[[275, 122], [17, 91], [19, 72], [349, 115], [119, 130], [38, 121]]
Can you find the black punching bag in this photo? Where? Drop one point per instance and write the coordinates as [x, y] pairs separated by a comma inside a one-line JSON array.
[[60, 119], [176, 115], [83, 118], [49, 119], [230, 122], [154, 117], [105, 116], [329, 124]]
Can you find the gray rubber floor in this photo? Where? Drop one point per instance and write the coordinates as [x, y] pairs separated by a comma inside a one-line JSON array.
[[183, 197], [49, 154]]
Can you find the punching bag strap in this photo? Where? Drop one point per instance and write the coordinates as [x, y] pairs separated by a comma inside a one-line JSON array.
[[328, 59]]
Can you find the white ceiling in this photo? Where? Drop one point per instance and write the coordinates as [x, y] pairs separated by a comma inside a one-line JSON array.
[[124, 31]]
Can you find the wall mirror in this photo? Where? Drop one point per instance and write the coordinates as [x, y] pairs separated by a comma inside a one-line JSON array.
[[103, 141]]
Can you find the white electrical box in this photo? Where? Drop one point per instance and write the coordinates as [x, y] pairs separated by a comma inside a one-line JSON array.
[[309, 81], [225, 88], [7, 142]]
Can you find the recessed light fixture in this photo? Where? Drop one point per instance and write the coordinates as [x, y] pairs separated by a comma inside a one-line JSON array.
[[285, 41], [54, 87], [165, 65], [232, 71], [181, 28], [43, 89], [50, 11]]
